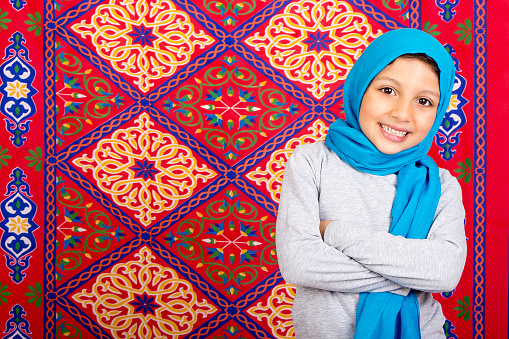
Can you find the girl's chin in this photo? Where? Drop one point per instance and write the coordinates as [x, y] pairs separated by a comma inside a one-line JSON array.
[[388, 147]]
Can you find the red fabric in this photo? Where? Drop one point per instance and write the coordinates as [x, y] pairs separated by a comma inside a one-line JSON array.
[[231, 112], [498, 183]]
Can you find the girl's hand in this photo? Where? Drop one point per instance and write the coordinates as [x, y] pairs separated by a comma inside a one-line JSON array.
[[323, 226]]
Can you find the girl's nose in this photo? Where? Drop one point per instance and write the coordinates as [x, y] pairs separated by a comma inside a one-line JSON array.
[[402, 110]]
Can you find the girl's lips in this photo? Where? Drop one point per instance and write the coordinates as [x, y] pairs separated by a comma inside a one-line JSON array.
[[396, 128], [393, 137]]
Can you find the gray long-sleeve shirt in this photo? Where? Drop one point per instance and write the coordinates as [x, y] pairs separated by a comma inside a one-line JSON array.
[[358, 254]]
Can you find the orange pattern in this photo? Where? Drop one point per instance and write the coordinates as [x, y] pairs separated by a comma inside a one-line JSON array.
[[172, 307], [113, 164], [146, 40]]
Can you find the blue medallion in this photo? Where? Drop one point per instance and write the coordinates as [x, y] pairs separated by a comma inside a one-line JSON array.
[[18, 213], [17, 327], [18, 4], [448, 134], [447, 8], [16, 78]]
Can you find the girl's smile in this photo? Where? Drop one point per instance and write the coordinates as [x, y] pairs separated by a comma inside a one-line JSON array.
[[399, 106], [393, 133]]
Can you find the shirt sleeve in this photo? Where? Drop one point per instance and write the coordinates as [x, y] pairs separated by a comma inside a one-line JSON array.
[[304, 259], [433, 265]]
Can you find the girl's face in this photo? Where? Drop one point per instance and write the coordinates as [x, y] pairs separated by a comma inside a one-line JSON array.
[[400, 105]]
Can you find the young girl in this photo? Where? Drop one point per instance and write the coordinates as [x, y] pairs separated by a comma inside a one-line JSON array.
[[368, 226]]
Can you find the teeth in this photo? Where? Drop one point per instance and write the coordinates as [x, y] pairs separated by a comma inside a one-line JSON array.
[[393, 131]]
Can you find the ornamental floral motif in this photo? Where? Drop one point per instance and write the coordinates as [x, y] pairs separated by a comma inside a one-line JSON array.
[[16, 90], [18, 4], [146, 40], [448, 135], [400, 6], [277, 312], [232, 13], [143, 299], [66, 329], [229, 241], [447, 11], [144, 170], [231, 107], [271, 177], [231, 330], [315, 43], [17, 226], [17, 326], [85, 232], [83, 98]]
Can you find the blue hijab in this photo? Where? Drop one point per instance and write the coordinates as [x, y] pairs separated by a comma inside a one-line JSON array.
[[388, 315]]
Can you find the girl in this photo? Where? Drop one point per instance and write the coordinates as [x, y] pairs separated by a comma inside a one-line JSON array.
[[368, 226]]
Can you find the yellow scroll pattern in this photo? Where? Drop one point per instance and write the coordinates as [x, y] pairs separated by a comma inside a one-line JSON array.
[[177, 170], [272, 176], [111, 30], [284, 42], [277, 313], [113, 293]]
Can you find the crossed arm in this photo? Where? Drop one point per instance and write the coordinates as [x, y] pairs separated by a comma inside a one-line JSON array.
[[323, 227], [355, 259]]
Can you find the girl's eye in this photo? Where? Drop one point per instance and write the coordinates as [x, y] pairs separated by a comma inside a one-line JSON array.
[[424, 102], [387, 90]]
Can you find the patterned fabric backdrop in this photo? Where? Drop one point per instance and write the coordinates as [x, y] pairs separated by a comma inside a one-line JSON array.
[[143, 152]]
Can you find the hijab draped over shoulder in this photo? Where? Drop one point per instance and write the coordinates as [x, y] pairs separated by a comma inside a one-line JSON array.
[[389, 315]]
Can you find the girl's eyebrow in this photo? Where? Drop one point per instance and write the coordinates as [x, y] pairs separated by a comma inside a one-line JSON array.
[[435, 94], [432, 93], [388, 79]]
